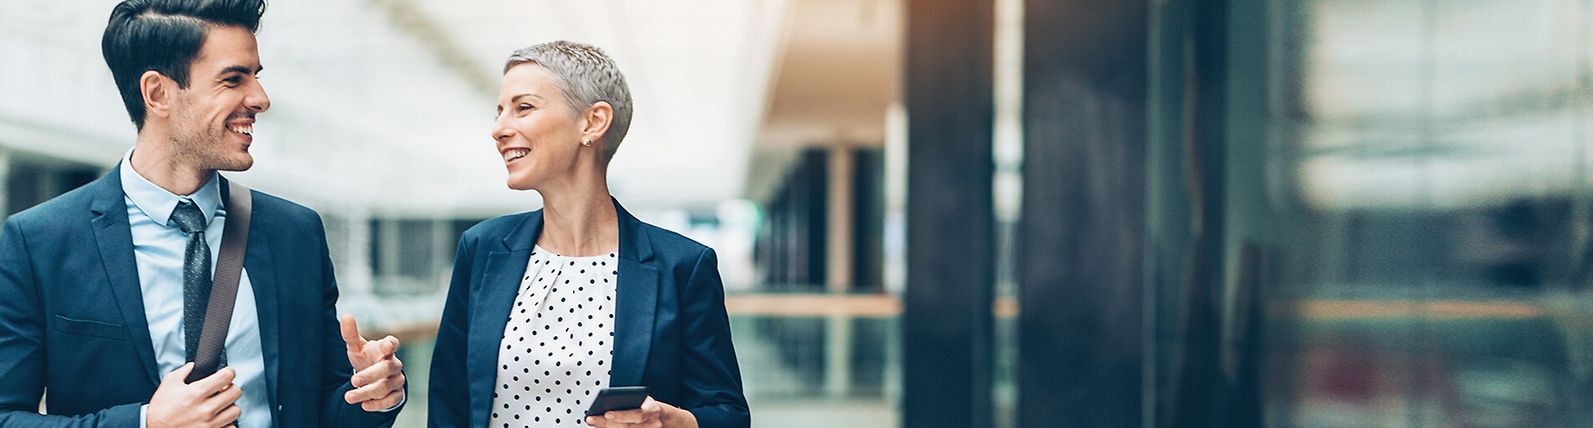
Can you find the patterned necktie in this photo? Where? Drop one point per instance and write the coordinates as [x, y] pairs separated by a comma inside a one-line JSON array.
[[196, 274]]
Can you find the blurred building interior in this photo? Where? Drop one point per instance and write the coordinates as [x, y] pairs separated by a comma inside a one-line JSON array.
[[938, 213]]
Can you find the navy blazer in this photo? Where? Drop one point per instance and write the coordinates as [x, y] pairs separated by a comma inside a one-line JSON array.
[[671, 333], [72, 316]]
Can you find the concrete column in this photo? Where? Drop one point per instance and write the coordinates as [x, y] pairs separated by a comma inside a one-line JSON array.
[[838, 268], [947, 320], [841, 238], [1081, 233]]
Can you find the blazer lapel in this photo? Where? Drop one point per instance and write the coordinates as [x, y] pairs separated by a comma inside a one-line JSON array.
[[114, 238], [490, 310], [637, 297]]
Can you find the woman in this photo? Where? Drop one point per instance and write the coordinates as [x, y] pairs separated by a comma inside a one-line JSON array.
[[548, 307]]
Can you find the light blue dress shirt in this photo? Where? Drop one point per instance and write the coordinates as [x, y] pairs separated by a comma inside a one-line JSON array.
[[158, 250]]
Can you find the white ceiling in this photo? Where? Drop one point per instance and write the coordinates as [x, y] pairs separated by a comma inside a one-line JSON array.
[[838, 72], [386, 105]]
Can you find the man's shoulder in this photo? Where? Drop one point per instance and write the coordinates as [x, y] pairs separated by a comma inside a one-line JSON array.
[[266, 202], [276, 208], [61, 210]]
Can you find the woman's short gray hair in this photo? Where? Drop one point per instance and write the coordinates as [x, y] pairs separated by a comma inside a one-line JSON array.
[[584, 75]]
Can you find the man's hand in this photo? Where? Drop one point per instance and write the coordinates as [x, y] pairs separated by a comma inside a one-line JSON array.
[[653, 414], [207, 402], [378, 375]]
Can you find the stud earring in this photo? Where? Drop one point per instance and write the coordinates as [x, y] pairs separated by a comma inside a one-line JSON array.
[[587, 143]]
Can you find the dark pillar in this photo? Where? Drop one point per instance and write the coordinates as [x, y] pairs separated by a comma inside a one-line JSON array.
[[950, 214], [1081, 237]]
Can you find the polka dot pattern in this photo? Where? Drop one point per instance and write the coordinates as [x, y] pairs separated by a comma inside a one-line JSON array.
[[559, 343]]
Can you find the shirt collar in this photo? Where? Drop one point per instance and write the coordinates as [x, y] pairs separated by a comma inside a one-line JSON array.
[[157, 203]]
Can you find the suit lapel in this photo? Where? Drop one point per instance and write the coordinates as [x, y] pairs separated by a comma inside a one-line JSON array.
[[114, 238], [637, 297], [491, 305]]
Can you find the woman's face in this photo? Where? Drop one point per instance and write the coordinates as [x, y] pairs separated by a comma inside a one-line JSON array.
[[536, 132]]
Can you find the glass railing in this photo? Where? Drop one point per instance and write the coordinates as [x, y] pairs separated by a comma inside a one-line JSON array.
[[806, 359]]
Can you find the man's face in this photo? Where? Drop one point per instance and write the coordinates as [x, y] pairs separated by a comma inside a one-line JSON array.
[[213, 119]]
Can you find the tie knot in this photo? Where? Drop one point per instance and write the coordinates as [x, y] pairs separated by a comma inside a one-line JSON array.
[[188, 217]]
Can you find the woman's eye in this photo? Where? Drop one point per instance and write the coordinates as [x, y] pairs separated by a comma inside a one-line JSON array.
[[523, 107]]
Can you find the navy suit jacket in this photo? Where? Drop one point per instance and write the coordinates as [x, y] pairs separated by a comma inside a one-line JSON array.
[[671, 333], [72, 316]]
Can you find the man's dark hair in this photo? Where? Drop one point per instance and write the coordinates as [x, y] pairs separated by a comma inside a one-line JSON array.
[[165, 36]]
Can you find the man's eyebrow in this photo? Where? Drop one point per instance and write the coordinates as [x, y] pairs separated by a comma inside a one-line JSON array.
[[241, 69]]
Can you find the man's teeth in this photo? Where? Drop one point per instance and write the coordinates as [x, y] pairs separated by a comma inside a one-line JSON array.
[[242, 129], [515, 154]]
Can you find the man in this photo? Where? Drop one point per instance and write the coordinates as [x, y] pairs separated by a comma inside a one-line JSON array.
[[98, 287]]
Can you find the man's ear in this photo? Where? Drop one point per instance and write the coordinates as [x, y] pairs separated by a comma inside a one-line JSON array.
[[157, 91], [597, 119]]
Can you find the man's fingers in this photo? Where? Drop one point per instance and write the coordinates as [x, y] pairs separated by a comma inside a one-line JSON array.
[[381, 348], [376, 389], [219, 402], [382, 369], [369, 392], [351, 333], [371, 406], [383, 403], [227, 416], [396, 382], [216, 381], [179, 374], [374, 404], [387, 346]]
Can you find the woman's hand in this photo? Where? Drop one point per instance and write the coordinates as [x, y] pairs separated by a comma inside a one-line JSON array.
[[653, 414]]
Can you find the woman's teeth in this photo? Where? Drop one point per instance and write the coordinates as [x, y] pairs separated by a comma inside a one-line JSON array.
[[515, 154]]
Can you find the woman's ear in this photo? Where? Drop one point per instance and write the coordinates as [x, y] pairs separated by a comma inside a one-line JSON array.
[[156, 89], [596, 121]]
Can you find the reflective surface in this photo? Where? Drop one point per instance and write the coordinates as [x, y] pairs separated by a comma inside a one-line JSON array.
[[798, 371], [1372, 214]]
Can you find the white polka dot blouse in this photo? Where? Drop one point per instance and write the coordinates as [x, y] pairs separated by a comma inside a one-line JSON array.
[[559, 342]]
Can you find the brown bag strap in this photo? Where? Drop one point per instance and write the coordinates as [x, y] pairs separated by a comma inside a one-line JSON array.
[[224, 288]]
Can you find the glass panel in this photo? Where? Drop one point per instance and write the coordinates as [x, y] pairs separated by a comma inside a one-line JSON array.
[[1403, 189], [1437, 177], [788, 367]]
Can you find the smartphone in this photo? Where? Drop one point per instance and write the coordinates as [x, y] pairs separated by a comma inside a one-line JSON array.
[[620, 398]]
